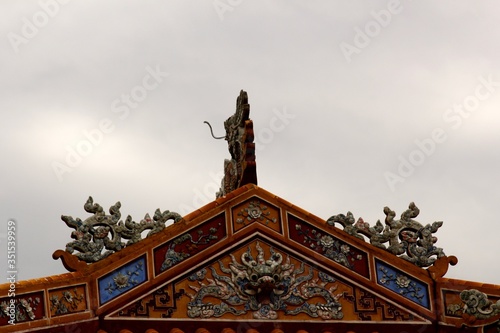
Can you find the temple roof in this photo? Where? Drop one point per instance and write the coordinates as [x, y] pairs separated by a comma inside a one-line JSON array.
[[249, 261]]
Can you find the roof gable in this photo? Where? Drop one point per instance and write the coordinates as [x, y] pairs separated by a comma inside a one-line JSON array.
[[254, 262], [259, 278], [200, 268], [205, 250], [249, 256]]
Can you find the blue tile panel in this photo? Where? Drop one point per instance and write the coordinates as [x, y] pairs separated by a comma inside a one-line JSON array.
[[402, 284], [122, 280]]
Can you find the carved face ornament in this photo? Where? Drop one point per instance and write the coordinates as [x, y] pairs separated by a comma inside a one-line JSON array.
[[263, 275]]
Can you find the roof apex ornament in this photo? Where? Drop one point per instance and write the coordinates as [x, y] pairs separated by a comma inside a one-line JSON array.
[[407, 238], [101, 235], [241, 169]]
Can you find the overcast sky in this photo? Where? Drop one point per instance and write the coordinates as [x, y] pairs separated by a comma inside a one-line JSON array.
[[356, 105]]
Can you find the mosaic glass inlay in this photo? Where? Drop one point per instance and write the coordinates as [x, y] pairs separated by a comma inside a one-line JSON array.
[[328, 245], [189, 244], [402, 284], [122, 280]]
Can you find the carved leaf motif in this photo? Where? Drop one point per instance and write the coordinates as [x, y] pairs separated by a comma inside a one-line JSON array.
[[406, 238], [101, 235]]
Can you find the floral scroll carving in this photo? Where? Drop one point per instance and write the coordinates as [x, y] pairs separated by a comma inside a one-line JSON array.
[[101, 235], [125, 280], [173, 257], [66, 301], [331, 248], [20, 310], [255, 211], [401, 283], [406, 238]]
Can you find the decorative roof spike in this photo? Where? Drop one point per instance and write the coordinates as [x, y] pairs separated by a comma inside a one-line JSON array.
[[101, 235], [406, 238], [241, 169]]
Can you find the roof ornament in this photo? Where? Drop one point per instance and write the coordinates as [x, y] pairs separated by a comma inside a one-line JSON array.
[[212, 131], [241, 169], [265, 285], [101, 235], [478, 306], [407, 238]]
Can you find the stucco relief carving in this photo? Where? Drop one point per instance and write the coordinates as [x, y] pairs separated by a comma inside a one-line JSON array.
[[406, 238]]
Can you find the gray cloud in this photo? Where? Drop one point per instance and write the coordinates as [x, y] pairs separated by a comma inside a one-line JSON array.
[[353, 120]]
